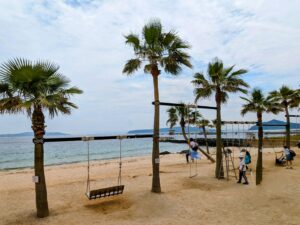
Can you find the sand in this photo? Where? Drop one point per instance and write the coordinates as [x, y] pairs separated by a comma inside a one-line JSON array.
[[199, 200]]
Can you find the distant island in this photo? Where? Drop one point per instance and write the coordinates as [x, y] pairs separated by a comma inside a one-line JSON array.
[[277, 122], [176, 130], [30, 134]]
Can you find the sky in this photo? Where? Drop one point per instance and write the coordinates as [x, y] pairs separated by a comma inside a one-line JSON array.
[[86, 38]]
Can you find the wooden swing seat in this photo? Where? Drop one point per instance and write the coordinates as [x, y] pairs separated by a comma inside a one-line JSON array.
[[105, 192]]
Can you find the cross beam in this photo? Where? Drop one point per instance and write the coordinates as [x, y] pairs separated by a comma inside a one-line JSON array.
[[97, 138], [184, 105], [292, 116], [239, 122]]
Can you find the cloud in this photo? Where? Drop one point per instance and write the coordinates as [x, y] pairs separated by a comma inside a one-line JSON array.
[[85, 37]]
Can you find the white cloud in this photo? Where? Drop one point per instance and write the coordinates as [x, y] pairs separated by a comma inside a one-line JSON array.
[[85, 38]]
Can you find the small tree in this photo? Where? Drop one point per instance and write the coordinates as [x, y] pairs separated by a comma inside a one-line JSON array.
[[35, 88], [157, 49], [173, 118], [220, 81], [286, 99], [203, 123], [258, 104], [178, 114]]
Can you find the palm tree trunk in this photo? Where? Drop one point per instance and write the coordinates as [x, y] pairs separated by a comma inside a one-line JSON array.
[[288, 128], [205, 137], [259, 164], [155, 150], [182, 125], [38, 126], [219, 172]]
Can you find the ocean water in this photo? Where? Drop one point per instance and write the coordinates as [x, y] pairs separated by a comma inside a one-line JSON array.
[[18, 152]]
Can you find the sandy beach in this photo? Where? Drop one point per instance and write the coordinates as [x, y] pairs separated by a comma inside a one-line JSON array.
[[199, 200]]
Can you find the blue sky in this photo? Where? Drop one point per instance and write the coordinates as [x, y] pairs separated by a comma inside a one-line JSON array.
[[86, 38]]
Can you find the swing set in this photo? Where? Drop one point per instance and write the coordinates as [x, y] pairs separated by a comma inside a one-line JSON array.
[[241, 142], [296, 129], [281, 159], [119, 188], [188, 107], [107, 191]]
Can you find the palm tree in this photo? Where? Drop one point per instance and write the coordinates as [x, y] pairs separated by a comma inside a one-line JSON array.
[[258, 104], [173, 118], [203, 123], [286, 98], [185, 116], [178, 114], [221, 81], [197, 119], [35, 88], [157, 50]]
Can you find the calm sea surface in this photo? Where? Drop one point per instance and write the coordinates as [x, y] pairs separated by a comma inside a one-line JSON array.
[[17, 152]]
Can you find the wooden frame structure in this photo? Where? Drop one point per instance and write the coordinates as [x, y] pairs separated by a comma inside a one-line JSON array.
[[108, 191]]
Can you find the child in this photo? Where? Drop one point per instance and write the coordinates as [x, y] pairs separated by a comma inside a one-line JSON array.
[[242, 169], [248, 160]]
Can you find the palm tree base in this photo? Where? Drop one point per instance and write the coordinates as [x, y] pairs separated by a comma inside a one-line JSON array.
[[156, 190]]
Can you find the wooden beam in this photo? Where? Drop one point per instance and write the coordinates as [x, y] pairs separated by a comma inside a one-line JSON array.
[[185, 105]]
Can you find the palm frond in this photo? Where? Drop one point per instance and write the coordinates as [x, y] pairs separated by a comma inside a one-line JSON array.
[[134, 41], [202, 93], [34, 85], [152, 33], [157, 48], [238, 73], [132, 65]]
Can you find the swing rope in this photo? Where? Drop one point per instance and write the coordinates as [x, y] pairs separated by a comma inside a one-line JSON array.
[[120, 163], [195, 111], [189, 137], [227, 140], [104, 192], [239, 136], [88, 168]]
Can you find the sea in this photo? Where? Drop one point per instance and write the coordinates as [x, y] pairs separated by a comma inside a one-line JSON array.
[[18, 152]]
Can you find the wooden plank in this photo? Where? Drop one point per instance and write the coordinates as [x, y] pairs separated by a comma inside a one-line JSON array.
[[105, 192]]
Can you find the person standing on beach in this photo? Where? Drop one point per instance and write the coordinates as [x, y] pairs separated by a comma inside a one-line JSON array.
[[288, 157], [242, 169]]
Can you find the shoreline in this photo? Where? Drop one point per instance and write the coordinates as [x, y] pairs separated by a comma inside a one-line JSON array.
[[104, 161], [110, 160]]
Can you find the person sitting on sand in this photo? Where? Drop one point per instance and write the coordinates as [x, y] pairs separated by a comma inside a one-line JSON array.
[[288, 157], [242, 169]]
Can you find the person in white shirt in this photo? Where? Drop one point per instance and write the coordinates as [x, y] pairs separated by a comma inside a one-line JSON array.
[[288, 157], [193, 144], [242, 169]]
